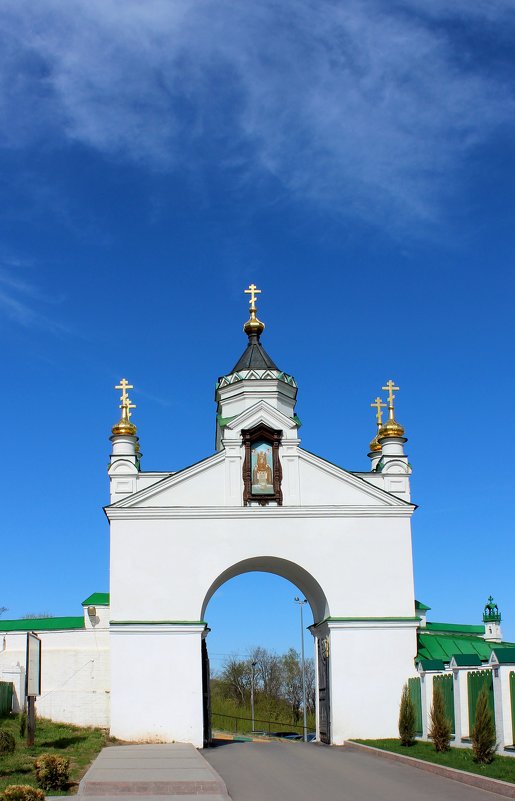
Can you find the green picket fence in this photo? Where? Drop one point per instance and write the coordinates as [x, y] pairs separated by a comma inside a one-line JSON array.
[[512, 693], [447, 687], [416, 697], [477, 679], [6, 697]]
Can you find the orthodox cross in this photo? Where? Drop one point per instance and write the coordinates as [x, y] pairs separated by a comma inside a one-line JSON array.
[[252, 291], [125, 401], [129, 405], [379, 406], [390, 387]]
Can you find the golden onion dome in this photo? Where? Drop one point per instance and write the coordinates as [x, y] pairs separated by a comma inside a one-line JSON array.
[[374, 445], [253, 325], [124, 427], [390, 429]]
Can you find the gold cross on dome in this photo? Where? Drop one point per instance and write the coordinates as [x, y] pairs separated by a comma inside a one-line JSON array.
[[124, 386], [129, 405], [379, 406], [252, 291], [390, 388]]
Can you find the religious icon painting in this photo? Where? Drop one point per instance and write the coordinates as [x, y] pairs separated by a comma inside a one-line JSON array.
[[262, 469]]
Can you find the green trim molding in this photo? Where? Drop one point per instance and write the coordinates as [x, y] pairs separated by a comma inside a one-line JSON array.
[[43, 624], [97, 599], [158, 623], [369, 620]]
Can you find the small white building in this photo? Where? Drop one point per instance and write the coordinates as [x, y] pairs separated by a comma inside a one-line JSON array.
[[136, 659]]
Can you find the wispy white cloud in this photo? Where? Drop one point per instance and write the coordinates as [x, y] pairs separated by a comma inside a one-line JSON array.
[[24, 302], [360, 105]]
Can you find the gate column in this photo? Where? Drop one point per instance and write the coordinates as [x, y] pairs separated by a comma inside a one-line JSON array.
[[369, 661], [156, 680]]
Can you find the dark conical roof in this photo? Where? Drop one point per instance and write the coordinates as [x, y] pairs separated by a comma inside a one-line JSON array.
[[254, 357]]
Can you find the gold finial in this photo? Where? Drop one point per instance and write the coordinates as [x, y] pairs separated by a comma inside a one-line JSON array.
[[391, 428], [390, 388], [253, 325], [378, 405], [124, 425], [252, 291]]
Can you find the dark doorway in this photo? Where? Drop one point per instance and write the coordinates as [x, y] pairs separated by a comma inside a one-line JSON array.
[[324, 707], [206, 694]]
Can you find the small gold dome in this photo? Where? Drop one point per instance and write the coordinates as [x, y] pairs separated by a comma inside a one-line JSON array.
[[253, 326], [390, 429], [374, 445], [124, 428]]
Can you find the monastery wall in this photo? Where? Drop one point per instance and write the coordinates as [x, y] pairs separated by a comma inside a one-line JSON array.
[[75, 674]]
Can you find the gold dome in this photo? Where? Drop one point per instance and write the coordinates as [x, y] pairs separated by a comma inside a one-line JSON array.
[[124, 427], [253, 325], [390, 429], [374, 445]]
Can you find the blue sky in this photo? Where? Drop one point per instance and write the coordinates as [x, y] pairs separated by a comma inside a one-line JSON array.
[[355, 161]]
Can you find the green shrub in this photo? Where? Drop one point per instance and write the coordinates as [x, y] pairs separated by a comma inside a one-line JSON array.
[[482, 735], [22, 792], [440, 729], [7, 742], [52, 772], [407, 718]]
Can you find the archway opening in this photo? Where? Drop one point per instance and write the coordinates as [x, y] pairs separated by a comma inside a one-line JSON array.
[[255, 679]]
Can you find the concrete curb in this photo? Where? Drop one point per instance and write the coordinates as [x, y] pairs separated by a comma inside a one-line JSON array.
[[473, 779], [138, 771]]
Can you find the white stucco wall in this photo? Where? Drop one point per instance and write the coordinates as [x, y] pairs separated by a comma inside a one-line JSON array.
[[75, 674]]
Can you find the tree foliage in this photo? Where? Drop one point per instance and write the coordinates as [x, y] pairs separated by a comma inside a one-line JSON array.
[[407, 720], [440, 729], [483, 736], [277, 682]]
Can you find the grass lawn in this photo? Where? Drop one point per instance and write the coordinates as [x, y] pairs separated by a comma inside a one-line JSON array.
[[81, 745], [460, 758]]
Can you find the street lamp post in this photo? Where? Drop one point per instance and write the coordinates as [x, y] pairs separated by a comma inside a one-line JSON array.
[[303, 664], [253, 665]]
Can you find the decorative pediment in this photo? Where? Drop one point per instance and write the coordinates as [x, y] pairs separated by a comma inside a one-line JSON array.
[[257, 414], [326, 483], [200, 484]]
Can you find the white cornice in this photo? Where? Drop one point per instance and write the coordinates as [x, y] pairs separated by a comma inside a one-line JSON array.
[[119, 512], [151, 627]]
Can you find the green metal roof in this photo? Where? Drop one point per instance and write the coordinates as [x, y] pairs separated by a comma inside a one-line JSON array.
[[444, 646], [504, 655], [43, 624], [420, 605], [467, 660], [459, 628], [97, 599], [431, 664]]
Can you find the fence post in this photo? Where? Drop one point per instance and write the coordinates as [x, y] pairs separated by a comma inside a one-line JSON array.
[[424, 700], [461, 705]]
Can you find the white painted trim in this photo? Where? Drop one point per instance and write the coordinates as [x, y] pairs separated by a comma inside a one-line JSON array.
[[370, 624], [263, 408], [156, 628], [120, 512]]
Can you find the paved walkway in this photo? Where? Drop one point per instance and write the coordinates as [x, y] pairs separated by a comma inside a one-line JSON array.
[[151, 773], [308, 772]]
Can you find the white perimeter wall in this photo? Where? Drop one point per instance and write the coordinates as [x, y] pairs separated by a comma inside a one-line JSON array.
[[75, 675]]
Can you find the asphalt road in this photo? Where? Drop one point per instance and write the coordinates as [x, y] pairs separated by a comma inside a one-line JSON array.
[[309, 772]]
